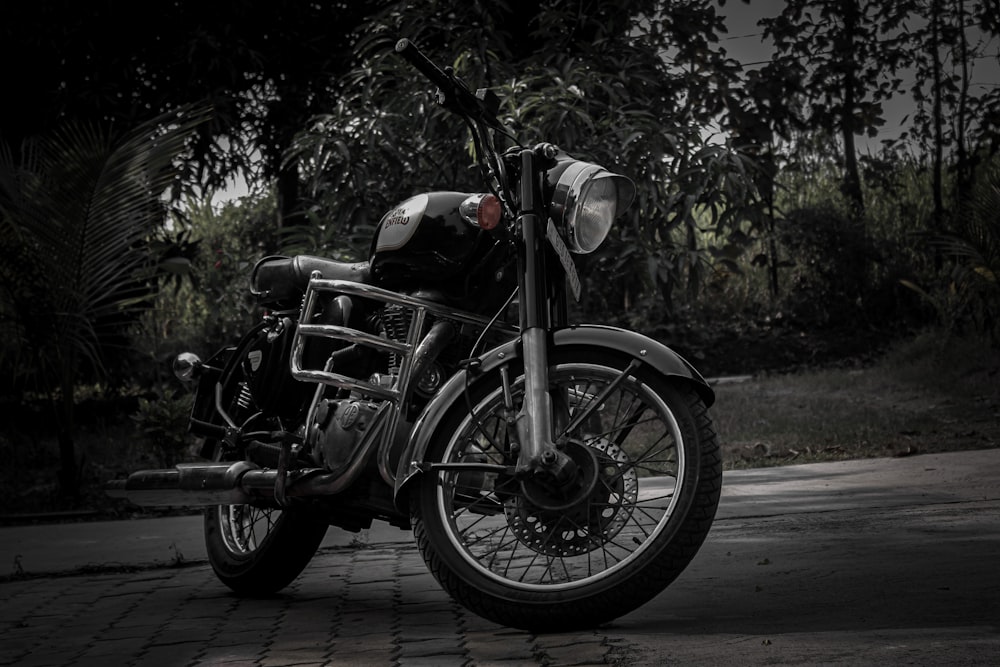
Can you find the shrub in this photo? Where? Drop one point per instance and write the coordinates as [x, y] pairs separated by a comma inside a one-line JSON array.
[[162, 424], [829, 274]]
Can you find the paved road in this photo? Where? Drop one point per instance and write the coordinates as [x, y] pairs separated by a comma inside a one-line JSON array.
[[892, 561]]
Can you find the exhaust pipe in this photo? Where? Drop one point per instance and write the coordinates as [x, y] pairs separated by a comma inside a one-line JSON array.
[[226, 483], [194, 485], [229, 483]]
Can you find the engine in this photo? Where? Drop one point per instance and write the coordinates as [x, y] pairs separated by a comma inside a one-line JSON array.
[[337, 428]]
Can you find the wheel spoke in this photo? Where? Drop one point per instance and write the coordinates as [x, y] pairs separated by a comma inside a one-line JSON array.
[[245, 528], [623, 434]]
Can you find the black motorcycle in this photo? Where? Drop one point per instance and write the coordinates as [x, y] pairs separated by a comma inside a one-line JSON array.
[[555, 475]]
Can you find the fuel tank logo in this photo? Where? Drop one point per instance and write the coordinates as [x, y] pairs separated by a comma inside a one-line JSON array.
[[397, 217], [399, 224]]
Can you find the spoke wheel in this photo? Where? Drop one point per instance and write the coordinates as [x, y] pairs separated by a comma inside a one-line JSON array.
[[255, 550], [529, 554], [244, 528], [259, 551]]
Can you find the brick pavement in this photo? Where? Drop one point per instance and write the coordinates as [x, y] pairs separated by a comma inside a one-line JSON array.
[[889, 561], [367, 606]]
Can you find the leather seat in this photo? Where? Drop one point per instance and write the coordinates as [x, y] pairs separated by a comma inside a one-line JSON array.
[[278, 279]]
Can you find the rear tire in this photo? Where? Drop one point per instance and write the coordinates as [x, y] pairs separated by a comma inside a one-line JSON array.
[[508, 552], [259, 551]]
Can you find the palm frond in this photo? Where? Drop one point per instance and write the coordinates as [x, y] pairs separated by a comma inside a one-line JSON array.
[[82, 204]]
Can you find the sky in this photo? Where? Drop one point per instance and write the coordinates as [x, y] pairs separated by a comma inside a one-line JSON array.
[[745, 40]]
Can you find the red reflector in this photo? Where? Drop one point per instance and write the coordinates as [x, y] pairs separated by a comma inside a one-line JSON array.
[[489, 212]]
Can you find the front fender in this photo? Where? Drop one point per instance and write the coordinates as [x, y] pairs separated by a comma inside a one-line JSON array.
[[652, 353]]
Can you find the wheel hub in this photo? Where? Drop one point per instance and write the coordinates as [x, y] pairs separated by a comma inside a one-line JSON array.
[[580, 516]]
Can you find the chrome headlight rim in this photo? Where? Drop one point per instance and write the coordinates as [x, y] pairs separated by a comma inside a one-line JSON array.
[[573, 186]]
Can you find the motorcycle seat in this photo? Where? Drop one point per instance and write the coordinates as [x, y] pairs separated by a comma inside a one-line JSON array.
[[279, 279]]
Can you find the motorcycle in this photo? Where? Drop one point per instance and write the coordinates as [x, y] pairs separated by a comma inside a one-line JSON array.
[[555, 476]]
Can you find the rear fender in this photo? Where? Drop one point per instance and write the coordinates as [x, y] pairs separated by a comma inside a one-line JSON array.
[[648, 351]]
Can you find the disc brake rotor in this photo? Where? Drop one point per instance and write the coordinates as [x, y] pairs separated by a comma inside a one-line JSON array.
[[606, 500]]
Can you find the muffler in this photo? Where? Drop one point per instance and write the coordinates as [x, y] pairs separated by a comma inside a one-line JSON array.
[[195, 485], [236, 483]]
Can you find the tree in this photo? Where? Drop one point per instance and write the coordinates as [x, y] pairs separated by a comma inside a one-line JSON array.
[[77, 212], [759, 122], [848, 54], [955, 125], [631, 86], [264, 67]]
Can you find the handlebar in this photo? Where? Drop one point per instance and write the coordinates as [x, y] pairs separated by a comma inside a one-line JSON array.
[[479, 110], [457, 97], [415, 56]]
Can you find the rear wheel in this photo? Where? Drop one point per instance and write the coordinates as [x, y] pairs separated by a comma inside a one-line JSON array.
[[527, 555], [258, 551]]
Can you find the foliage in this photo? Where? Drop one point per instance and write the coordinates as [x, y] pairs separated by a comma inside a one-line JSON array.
[[968, 296], [839, 45], [827, 272], [212, 306], [846, 55], [77, 212], [828, 275], [952, 112], [231, 240], [841, 61], [264, 66], [162, 423], [618, 102]]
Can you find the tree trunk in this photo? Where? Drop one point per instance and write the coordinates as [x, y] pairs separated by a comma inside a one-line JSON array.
[[937, 166], [69, 477], [965, 166], [852, 175], [290, 210], [766, 188], [666, 288], [772, 251]]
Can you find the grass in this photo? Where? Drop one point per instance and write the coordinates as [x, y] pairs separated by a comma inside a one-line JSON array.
[[925, 395]]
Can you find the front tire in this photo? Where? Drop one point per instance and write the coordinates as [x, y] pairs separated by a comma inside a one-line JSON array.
[[651, 481]]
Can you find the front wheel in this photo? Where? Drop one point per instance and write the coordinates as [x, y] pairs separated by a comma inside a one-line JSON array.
[[530, 556]]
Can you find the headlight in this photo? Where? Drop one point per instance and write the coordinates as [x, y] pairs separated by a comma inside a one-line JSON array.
[[588, 198]]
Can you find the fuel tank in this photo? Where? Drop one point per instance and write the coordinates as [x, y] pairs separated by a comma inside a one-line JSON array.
[[426, 239]]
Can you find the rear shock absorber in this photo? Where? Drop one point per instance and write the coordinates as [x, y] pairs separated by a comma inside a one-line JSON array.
[[244, 399]]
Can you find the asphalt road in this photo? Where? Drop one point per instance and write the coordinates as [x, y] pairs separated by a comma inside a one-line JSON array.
[[887, 561]]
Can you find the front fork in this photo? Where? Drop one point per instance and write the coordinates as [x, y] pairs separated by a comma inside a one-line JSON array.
[[538, 453]]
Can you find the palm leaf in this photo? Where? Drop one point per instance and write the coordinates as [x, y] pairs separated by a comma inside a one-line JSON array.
[[82, 204]]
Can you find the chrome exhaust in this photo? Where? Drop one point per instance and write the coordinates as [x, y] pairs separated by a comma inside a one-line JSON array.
[[226, 483], [194, 485]]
